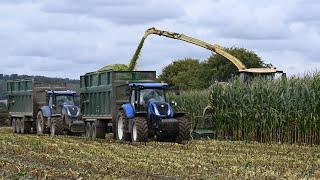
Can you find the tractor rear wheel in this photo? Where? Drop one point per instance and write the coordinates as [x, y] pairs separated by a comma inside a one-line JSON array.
[[122, 127], [88, 130], [184, 129], [13, 124], [56, 127], [41, 124], [139, 130]]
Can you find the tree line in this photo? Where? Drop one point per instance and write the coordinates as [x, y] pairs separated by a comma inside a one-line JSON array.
[[187, 74]]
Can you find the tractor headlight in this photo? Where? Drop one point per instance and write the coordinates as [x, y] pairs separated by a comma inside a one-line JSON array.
[[156, 111]]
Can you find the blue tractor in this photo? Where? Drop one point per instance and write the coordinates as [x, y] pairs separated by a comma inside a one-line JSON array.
[[59, 114], [149, 115]]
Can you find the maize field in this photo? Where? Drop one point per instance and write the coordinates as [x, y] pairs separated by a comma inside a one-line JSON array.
[[192, 102], [281, 111]]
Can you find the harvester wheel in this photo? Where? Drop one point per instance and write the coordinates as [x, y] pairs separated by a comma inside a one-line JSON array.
[[139, 131], [184, 129], [98, 130], [41, 124], [122, 127], [56, 127], [13, 124], [88, 130], [25, 127]]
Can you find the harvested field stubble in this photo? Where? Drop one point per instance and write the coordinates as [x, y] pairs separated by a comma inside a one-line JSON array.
[[31, 156]]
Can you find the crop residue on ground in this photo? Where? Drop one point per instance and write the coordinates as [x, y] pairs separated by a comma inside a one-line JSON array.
[[31, 156]]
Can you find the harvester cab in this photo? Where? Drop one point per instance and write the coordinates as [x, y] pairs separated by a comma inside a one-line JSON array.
[[148, 114], [267, 73]]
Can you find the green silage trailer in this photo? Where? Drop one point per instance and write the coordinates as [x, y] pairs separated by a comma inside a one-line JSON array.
[[102, 94], [3, 113], [25, 100]]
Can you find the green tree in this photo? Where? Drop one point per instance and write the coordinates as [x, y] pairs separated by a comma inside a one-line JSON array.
[[185, 74], [218, 68], [192, 74]]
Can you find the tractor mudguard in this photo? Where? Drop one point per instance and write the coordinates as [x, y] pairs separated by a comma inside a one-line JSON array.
[[128, 110], [179, 114], [46, 111], [141, 114]]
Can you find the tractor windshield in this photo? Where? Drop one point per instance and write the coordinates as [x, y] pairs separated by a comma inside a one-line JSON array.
[[147, 95], [65, 99]]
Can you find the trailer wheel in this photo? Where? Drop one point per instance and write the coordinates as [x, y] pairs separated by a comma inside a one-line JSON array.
[[139, 130], [88, 130], [122, 127], [184, 129], [41, 124], [13, 124], [25, 127], [98, 130], [56, 127], [18, 125]]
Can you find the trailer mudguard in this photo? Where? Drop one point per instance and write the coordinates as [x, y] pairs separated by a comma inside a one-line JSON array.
[[46, 111], [128, 110]]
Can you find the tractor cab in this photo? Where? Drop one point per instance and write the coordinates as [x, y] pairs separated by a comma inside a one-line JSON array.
[[59, 101], [141, 94]]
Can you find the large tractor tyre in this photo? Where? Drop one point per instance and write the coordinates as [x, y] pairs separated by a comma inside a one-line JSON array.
[[98, 130], [13, 123], [122, 127], [184, 129], [41, 124], [25, 127], [88, 130], [56, 127], [139, 130]]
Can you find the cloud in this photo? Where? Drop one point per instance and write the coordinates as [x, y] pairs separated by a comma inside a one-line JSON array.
[[68, 38], [120, 12]]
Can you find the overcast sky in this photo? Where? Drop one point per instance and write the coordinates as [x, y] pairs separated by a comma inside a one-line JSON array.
[[67, 38]]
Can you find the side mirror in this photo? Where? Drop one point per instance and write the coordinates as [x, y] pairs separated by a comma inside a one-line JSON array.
[[135, 104], [174, 103], [284, 75], [128, 92], [12, 102], [54, 106]]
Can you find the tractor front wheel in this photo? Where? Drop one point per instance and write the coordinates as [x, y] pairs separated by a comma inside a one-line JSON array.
[[122, 127], [41, 124], [56, 127], [139, 130]]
